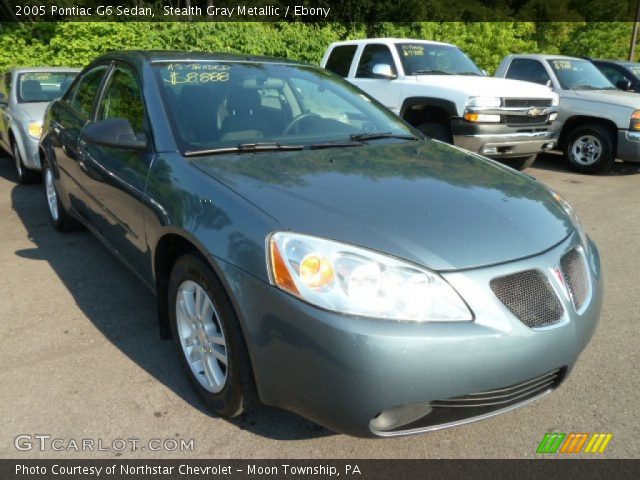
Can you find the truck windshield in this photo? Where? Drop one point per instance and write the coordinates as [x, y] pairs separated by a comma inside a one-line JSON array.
[[43, 86], [576, 74], [220, 105], [435, 59]]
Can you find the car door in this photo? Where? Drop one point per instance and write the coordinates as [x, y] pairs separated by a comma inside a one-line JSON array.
[[115, 177], [379, 88], [68, 116]]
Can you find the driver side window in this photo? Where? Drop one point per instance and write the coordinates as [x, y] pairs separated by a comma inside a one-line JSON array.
[[374, 54], [123, 99]]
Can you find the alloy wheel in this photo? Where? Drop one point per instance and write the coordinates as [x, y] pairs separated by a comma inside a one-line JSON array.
[[52, 194], [201, 336]]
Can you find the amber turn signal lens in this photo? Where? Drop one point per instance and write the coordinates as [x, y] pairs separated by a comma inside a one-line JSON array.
[[281, 275], [316, 271]]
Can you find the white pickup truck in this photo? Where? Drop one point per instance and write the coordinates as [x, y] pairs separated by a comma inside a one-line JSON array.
[[436, 88]]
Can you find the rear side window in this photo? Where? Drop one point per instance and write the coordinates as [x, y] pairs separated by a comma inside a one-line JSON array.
[[86, 90], [340, 59], [374, 54], [528, 70]]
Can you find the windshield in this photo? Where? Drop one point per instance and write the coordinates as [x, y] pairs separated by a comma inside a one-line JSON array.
[[216, 105], [434, 59], [635, 69], [574, 74], [43, 86]]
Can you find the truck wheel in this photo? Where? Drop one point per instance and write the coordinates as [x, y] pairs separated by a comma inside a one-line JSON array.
[[437, 131], [209, 338], [589, 149], [25, 175], [520, 163]]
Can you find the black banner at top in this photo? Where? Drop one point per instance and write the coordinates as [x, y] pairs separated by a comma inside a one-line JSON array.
[[320, 11]]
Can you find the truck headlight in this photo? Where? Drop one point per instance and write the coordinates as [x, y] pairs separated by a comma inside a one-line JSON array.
[[348, 279], [34, 129], [479, 103]]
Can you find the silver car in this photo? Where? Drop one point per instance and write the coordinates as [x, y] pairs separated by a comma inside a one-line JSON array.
[[24, 96]]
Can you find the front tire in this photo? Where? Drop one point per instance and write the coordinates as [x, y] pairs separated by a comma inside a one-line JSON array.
[[590, 149], [60, 218], [25, 175], [520, 163], [209, 338]]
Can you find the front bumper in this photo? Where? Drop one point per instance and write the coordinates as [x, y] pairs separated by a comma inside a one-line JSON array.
[[29, 151], [628, 146], [500, 141], [342, 371]]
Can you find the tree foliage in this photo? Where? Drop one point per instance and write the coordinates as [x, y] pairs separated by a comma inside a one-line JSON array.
[[77, 43]]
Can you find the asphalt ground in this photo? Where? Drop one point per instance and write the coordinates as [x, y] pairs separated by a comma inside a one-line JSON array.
[[81, 357]]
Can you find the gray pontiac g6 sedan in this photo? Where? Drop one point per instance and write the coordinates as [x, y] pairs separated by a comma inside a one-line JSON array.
[[310, 251]]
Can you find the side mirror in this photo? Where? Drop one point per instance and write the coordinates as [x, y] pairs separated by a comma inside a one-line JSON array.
[[114, 132], [623, 85], [382, 70]]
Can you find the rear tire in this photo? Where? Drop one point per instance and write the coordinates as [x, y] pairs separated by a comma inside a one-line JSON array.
[[520, 163], [25, 175], [209, 338], [60, 218], [437, 131], [590, 149]]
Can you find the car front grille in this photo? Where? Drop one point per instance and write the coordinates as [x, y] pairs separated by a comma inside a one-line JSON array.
[[526, 102], [505, 395], [530, 297], [468, 408], [575, 274]]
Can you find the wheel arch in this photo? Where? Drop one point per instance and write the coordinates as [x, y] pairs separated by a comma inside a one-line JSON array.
[[417, 110], [580, 120]]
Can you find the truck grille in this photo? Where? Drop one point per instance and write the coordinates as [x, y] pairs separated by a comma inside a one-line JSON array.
[[519, 120], [575, 274], [505, 395], [526, 102], [522, 120], [530, 297]]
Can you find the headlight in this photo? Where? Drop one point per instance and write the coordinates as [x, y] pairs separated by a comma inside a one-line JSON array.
[[352, 280], [574, 218], [484, 102], [34, 129], [634, 122], [479, 103]]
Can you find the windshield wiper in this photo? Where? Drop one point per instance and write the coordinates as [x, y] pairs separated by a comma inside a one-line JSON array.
[[245, 148], [379, 135], [430, 72]]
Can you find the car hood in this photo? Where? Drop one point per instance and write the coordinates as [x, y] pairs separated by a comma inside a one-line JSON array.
[[32, 111], [426, 202], [612, 97], [487, 86]]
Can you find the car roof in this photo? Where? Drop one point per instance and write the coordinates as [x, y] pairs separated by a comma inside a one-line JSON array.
[[390, 40], [544, 56], [17, 70], [623, 63], [164, 56]]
